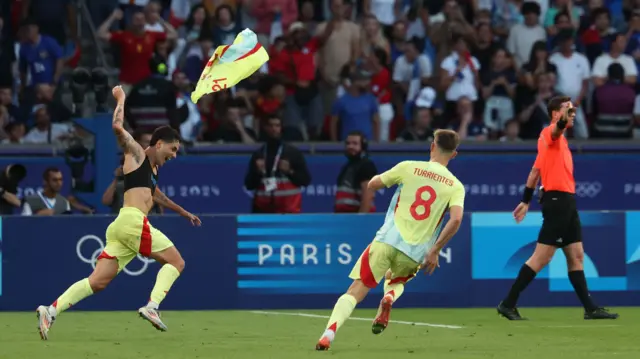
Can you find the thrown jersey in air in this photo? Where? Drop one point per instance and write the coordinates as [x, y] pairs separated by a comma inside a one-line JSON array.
[[142, 176], [414, 218]]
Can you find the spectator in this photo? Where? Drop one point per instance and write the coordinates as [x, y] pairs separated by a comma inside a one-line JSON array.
[[356, 110], [511, 131], [199, 20], [143, 138], [412, 70], [49, 201], [538, 64], [573, 78], [613, 104], [44, 131], [532, 106], [485, 47], [53, 17], [307, 16], [152, 101], [498, 91], [523, 36], [561, 22], [226, 28], [276, 173], [561, 6], [6, 102], [231, 128], [459, 74], [352, 193], [270, 12], [421, 128], [137, 46], [153, 18], [398, 40], [198, 56], [7, 57], [340, 38], [597, 37], [40, 57], [468, 126], [381, 89], [296, 68], [454, 25], [270, 101], [15, 133], [188, 114], [633, 34], [372, 37], [10, 177], [616, 55], [506, 14], [45, 96], [387, 12]]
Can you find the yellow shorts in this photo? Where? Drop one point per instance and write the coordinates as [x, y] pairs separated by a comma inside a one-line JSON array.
[[379, 258], [131, 234]]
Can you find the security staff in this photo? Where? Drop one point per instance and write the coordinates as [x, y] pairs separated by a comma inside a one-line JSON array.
[[276, 173], [352, 194]]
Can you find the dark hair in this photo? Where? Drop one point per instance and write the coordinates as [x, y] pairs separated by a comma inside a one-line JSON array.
[[555, 104], [381, 55], [615, 72], [417, 43], [530, 7], [446, 140], [164, 134], [48, 171], [206, 25], [219, 9], [539, 45], [598, 12], [559, 15]]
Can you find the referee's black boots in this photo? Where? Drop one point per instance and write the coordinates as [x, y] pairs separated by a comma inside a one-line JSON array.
[[600, 313], [509, 313]]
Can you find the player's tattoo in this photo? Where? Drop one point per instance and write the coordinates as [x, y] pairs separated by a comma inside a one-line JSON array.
[[125, 140], [161, 199]]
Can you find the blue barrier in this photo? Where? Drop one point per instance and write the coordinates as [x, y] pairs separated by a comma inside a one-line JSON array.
[[288, 261], [214, 184]]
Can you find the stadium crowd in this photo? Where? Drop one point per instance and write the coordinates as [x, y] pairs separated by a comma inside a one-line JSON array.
[[392, 69]]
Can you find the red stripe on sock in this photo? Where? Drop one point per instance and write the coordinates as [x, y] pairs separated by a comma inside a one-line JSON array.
[[392, 293], [333, 327], [366, 275], [145, 239], [55, 304]]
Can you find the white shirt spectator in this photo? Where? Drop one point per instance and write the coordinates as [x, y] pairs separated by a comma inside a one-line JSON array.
[[426, 98], [403, 71], [521, 40], [602, 63], [384, 11], [572, 71], [41, 137], [157, 27], [464, 85]]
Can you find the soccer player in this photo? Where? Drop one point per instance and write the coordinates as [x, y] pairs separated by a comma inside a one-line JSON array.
[[561, 223], [410, 237], [131, 233]]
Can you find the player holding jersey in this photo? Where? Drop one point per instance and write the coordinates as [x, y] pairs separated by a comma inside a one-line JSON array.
[[410, 237]]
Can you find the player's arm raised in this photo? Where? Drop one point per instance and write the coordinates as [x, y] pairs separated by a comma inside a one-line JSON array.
[[164, 201], [125, 140], [561, 125]]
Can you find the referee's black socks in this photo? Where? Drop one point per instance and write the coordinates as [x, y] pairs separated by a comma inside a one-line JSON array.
[[525, 276], [579, 283]]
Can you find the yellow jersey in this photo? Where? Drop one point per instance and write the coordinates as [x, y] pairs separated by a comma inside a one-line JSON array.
[[425, 192]]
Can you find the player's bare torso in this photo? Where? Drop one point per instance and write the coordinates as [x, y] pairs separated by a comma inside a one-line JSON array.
[[139, 197]]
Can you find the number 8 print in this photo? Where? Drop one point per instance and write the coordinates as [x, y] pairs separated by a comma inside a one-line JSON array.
[[420, 202]]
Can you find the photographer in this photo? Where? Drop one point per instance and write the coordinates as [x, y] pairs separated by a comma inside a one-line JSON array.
[[10, 178]]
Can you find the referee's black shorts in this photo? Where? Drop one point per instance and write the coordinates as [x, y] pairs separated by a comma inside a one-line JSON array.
[[561, 223]]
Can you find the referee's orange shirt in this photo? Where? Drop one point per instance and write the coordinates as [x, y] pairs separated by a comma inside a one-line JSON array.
[[555, 162]]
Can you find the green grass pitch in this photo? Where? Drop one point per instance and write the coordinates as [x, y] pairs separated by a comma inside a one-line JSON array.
[[551, 333]]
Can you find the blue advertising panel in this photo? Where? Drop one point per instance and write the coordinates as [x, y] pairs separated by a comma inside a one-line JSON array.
[[303, 261], [494, 182]]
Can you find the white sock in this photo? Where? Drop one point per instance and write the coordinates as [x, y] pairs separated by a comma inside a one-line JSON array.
[[53, 311], [152, 305], [330, 334]]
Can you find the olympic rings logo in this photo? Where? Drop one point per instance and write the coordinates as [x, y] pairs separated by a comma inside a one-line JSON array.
[[93, 258], [588, 189]]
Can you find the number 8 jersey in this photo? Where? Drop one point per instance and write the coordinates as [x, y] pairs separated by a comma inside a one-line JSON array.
[[416, 212]]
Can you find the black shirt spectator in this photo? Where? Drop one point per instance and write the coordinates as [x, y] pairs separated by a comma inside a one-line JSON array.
[[231, 128]]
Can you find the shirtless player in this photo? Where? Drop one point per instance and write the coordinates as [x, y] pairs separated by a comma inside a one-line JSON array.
[[131, 233]]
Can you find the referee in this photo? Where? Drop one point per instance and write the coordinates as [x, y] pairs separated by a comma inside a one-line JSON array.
[[561, 224]]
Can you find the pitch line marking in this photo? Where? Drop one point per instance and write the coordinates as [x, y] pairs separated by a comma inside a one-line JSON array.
[[571, 326], [308, 315]]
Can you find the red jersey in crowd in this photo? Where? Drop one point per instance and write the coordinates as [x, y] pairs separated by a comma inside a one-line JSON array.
[[135, 52]]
